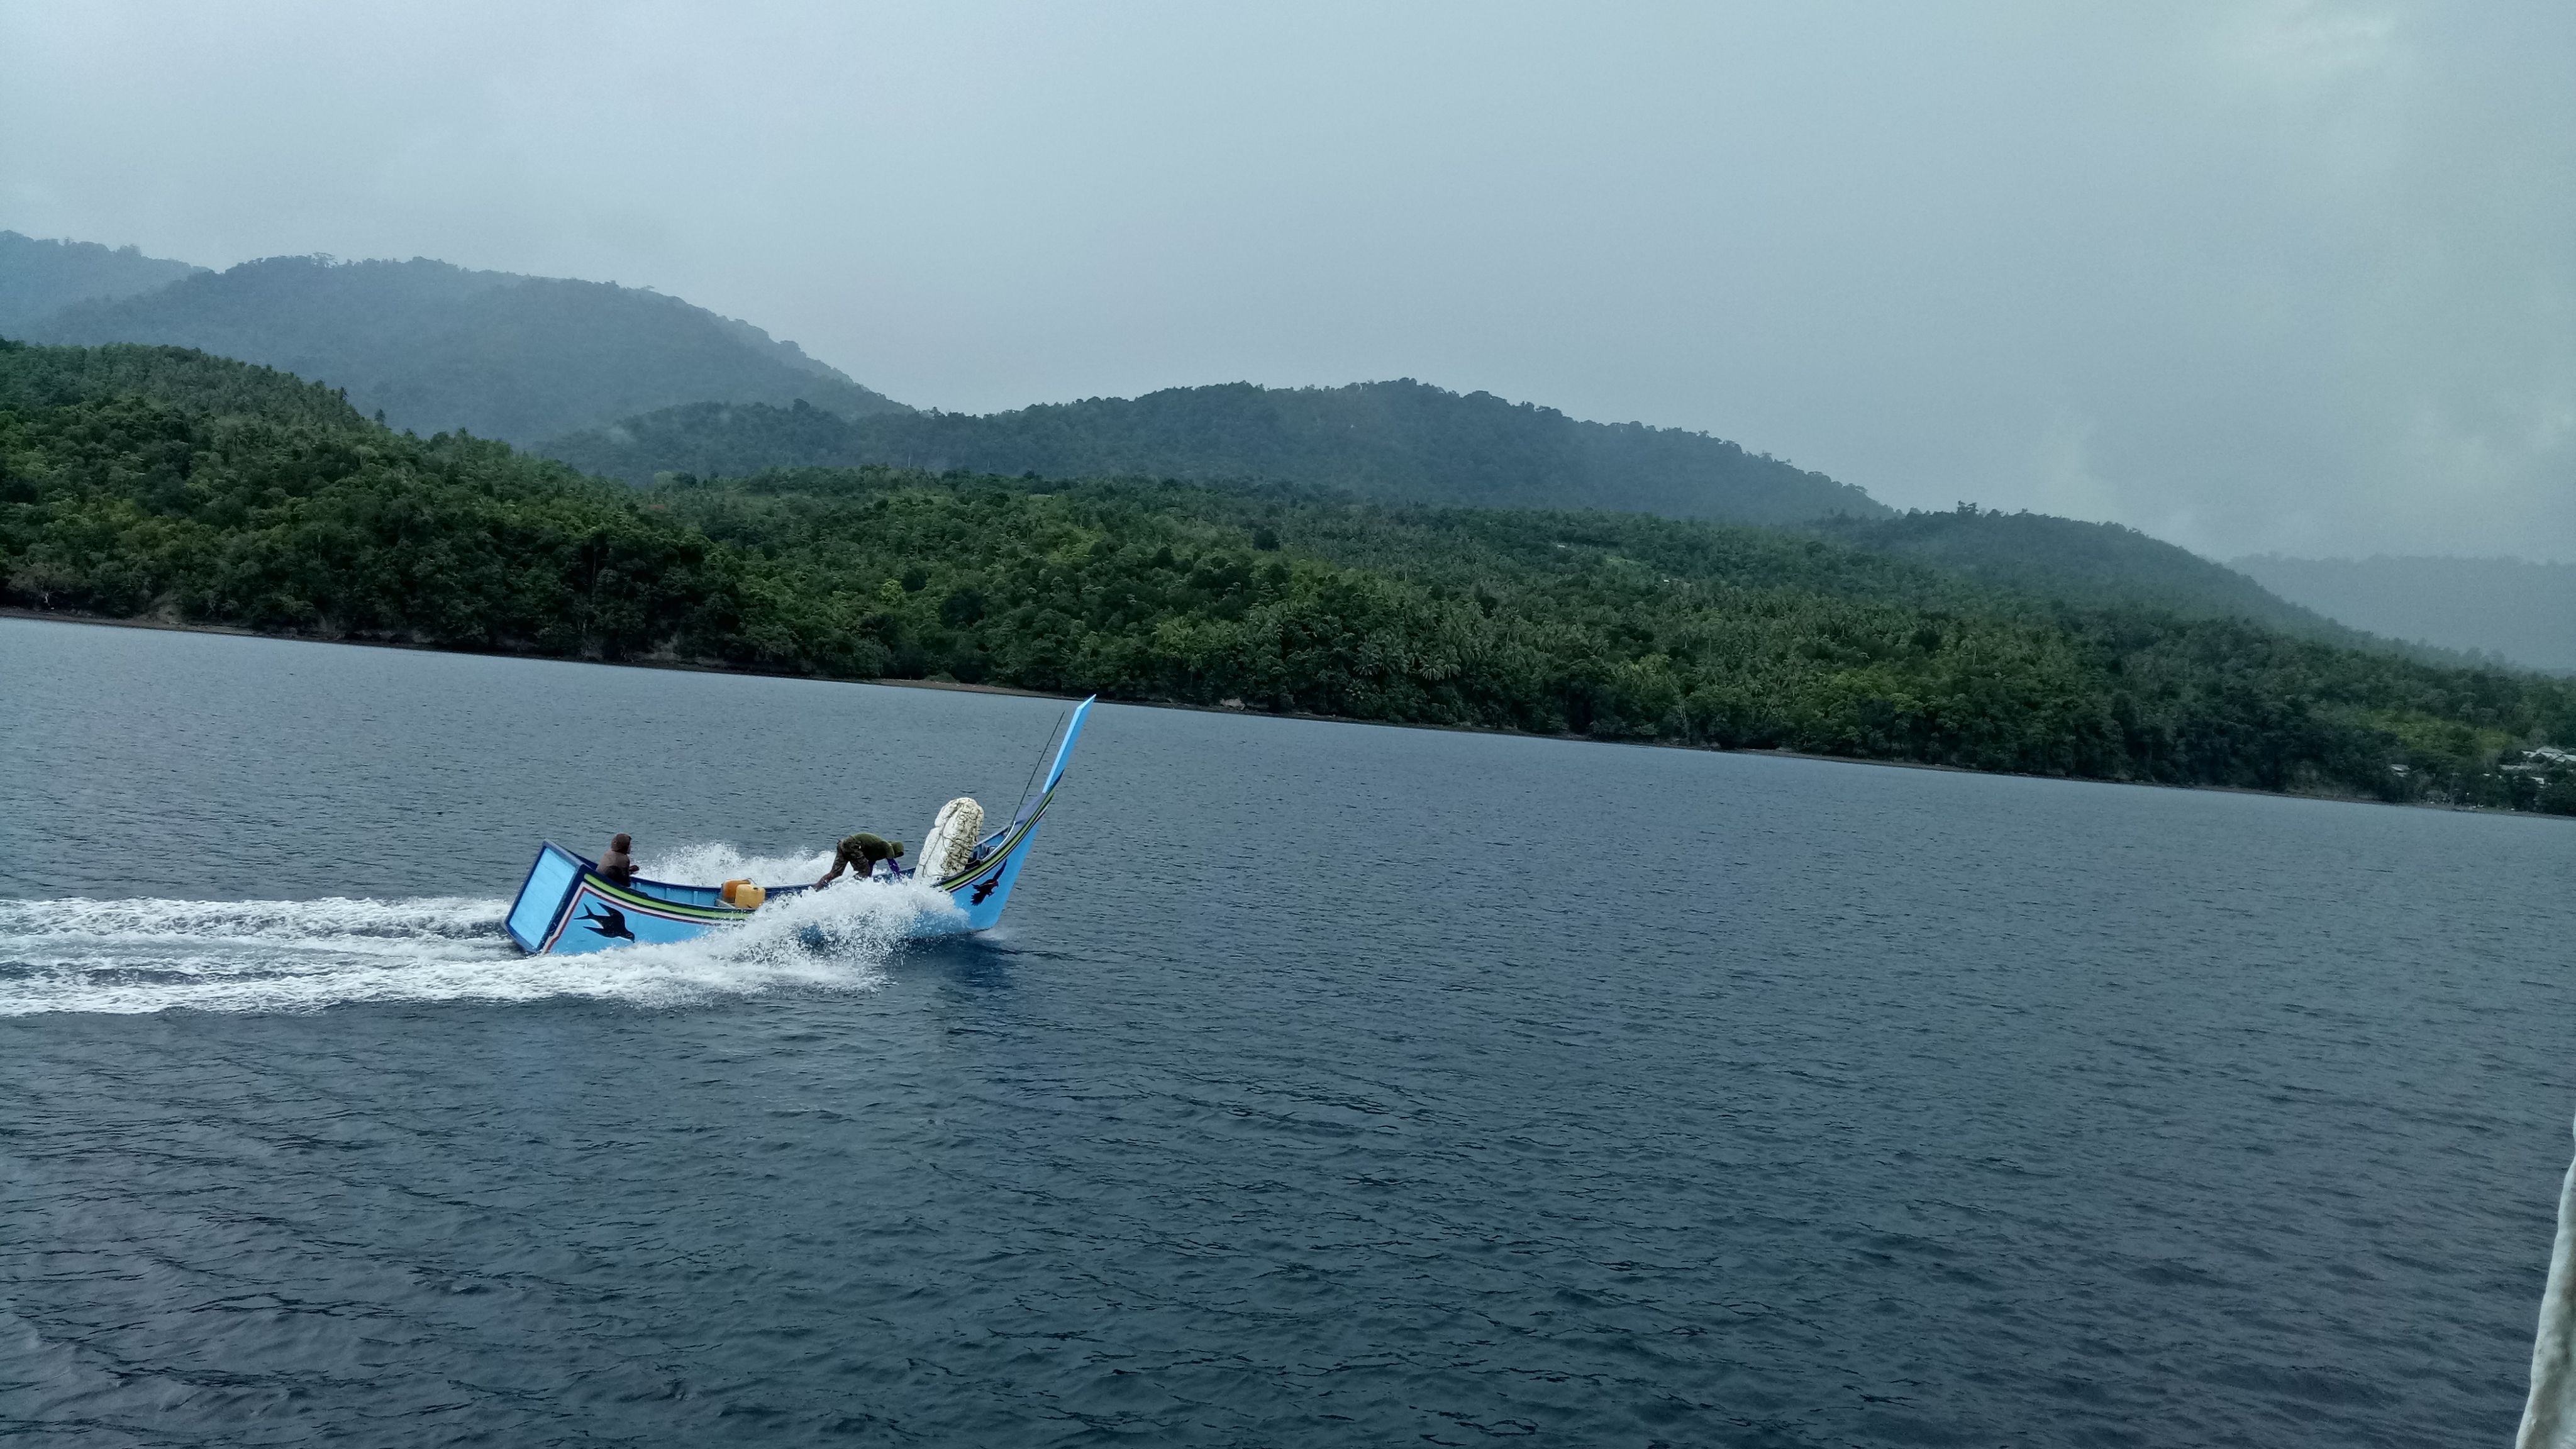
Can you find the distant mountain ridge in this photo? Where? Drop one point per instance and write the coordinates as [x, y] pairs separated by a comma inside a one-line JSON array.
[[632, 384], [40, 278], [438, 348], [1409, 443], [2100, 565], [1395, 441], [2524, 612]]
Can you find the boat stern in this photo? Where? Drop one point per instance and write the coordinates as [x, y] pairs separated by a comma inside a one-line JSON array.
[[565, 908]]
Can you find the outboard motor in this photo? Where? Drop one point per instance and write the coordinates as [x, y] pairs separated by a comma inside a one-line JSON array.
[[951, 843]]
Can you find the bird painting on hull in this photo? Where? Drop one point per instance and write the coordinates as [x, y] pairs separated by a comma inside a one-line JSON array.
[[608, 921]]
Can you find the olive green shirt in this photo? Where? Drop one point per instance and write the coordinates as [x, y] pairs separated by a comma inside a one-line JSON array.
[[864, 850]]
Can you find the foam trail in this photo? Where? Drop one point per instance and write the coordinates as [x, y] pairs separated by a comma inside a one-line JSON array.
[[129, 956]]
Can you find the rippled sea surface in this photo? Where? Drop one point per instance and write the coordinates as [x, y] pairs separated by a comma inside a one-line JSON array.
[[1326, 1085]]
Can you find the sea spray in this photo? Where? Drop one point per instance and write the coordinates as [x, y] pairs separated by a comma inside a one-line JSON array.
[[129, 956], [714, 863]]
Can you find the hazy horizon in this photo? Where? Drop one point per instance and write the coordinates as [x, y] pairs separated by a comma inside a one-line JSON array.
[[2291, 278]]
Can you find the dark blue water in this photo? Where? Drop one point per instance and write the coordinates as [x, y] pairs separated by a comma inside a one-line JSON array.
[[1328, 1085]]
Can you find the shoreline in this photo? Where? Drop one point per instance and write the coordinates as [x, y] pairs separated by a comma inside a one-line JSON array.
[[681, 666]]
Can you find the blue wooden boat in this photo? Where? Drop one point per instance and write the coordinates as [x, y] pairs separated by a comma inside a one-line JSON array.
[[565, 906]]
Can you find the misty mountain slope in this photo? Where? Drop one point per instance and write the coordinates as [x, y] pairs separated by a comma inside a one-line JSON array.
[[2525, 612], [39, 278], [1398, 441], [439, 348], [2092, 565]]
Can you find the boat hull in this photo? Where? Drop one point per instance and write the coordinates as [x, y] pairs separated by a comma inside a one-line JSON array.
[[566, 907]]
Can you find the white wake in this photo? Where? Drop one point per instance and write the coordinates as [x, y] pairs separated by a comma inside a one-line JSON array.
[[130, 956]]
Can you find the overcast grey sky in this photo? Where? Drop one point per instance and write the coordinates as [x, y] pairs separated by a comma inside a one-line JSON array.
[[2255, 276]]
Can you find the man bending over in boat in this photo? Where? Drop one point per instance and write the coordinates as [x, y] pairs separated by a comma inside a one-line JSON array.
[[861, 852], [617, 867]]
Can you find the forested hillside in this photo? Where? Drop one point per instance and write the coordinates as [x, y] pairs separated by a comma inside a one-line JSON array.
[[152, 482], [438, 348], [2095, 565], [39, 278], [1394, 441], [1403, 442]]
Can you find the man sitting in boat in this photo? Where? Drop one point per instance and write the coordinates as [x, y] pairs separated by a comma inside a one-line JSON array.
[[617, 867], [861, 852]]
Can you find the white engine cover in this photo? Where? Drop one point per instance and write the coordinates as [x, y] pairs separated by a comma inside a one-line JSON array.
[[951, 840]]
